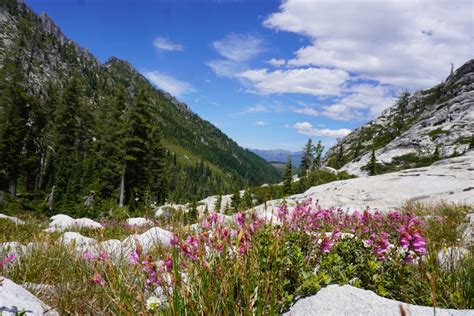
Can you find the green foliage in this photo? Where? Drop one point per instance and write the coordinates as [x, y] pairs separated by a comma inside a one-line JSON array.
[[90, 124], [288, 178], [306, 158]]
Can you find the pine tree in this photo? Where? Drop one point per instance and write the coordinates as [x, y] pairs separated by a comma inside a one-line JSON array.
[[143, 164], [318, 150], [67, 132], [218, 204], [14, 111], [340, 155], [372, 167], [236, 201], [288, 178], [306, 158], [247, 199], [436, 154]]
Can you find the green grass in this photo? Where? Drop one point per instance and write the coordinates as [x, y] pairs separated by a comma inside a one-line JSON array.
[[278, 267]]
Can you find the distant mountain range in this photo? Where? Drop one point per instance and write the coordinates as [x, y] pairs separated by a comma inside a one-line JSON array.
[[279, 155]]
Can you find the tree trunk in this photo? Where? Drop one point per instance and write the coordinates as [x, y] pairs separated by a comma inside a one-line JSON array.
[[122, 187], [13, 186]]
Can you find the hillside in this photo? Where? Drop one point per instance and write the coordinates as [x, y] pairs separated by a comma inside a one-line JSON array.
[[40, 63], [417, 130]]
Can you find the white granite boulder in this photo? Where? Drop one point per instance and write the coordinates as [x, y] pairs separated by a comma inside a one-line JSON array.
[[153, 236], [139, 221], [12, 219], [61, 222], [15, 300], [335, 300]]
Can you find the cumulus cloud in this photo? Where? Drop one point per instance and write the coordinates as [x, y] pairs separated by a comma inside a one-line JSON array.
[[307, 110], [313, 81], [306, 128], [408, 44], [236, 50], [361, 102], [163, 43], [169, 84], [276, 62]]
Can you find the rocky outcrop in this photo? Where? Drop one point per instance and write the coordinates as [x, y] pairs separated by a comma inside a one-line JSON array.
[[15, 300], [440, 117], [449, 180], [335, 300], [12, 219]]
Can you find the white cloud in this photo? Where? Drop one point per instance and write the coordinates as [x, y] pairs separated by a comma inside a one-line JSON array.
[[163, 43], [239, 47], [261, 123], [314, 81], [169, 84], [407, 43], [254, 109], [236, 50], [306, 128], [307, 110], [362, 102], [276, 62]]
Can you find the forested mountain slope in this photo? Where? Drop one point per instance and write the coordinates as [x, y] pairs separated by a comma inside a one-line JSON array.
[[72, 127], [417, 130]]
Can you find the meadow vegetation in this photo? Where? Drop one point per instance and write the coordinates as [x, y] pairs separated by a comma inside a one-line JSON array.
[[251, 266]]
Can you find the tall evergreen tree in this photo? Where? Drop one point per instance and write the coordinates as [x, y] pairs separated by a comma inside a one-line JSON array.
[[67, 147], [14, 111], [288, 178], [306, 158], [318, 150], [143, 154], [372, 166], [236, 201]]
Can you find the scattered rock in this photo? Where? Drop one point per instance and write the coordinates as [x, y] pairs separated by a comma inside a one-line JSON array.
[[61, 222], [451, 257], [153, 236], [13, 219], [15, 300], [139, 221], [335, 300], [79, 242]]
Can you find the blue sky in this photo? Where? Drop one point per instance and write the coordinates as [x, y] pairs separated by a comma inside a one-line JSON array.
[[271, 74]]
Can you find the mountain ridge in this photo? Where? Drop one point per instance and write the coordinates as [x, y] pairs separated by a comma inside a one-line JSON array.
[[417, 130], [200, 158]]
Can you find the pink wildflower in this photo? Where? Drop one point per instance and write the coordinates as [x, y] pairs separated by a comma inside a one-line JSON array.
[[134, 258], [8, 259], [98, 279], [240, 219], [174, 241], [89, 255]]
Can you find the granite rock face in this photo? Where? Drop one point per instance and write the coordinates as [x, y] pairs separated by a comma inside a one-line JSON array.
[[441, 117], [449, 180], [335, 300]]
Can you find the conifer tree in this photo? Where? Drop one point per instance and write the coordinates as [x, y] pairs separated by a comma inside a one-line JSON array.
[[247, 198], [66, 155], [218, 204], [372, 167], [287, 180], [14, 110], [236, 201], [306, 158], [318, 155]]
